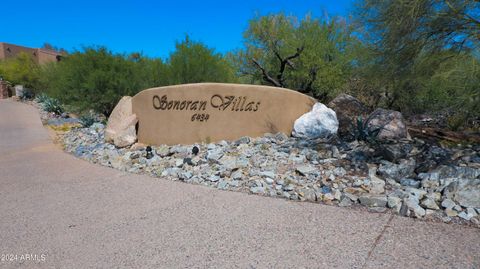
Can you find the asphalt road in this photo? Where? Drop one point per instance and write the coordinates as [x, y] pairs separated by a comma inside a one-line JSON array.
[[57, 211]]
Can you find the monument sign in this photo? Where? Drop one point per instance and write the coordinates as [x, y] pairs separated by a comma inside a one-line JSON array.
[[209, 112]]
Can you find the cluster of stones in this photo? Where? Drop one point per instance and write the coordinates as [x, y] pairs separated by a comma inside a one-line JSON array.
[[408, 177]]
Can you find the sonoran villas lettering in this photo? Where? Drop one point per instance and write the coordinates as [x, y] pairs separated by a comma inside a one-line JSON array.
[[220, 102]]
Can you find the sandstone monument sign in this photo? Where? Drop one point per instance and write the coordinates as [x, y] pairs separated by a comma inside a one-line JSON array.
[[209, 112]]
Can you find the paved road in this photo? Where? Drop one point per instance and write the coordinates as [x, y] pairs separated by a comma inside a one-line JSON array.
[[80, 215]]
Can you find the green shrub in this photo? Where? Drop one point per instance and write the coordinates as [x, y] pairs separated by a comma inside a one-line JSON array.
[[21, 70], [96, 79], [193, 62]]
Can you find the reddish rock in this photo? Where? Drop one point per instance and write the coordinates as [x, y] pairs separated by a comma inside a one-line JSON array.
[[391, 124]]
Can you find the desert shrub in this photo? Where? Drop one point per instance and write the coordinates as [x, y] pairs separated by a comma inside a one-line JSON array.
[[96, 79], [22, 70]]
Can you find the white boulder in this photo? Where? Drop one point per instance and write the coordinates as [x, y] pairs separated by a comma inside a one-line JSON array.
[[321, 122]]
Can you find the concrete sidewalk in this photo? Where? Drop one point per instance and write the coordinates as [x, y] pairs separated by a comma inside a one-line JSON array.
[[80, 215]]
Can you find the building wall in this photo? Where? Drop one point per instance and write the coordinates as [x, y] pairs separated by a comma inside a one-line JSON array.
[[40, 56], [47, 56], [10, 50]]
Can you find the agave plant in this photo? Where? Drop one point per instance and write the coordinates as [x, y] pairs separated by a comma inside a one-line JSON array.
[[41, 98], [362, 132], [52, 105], [87, 119]]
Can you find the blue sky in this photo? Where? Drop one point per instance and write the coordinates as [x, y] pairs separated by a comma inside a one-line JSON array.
[[151, 27]]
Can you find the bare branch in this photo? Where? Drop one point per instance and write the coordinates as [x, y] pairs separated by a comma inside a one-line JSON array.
[[266, 76], [286, 61]]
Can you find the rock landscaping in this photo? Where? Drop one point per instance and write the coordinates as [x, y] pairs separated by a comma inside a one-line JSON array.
[[406, 176]]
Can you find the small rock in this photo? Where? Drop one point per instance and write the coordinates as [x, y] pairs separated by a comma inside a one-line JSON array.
[[243, 140], [214, 155], [377, 186], [373, 200], [237, 175], [257, 190], [281, 137], [305, 169], [464, 216], [213, 178], [134, 155], [345, 202], [394, 152], [339, 171], [377, 209], [450, 212], [179, 163], [414, 207], [163, 151], [417, 193], [395, 203], [350, 196], [404, 169], [269, 174], [430, 204], [448, 204], [269, 181], [289, 187], [222, 185], [309, 195], [410, 182], [188, 161]]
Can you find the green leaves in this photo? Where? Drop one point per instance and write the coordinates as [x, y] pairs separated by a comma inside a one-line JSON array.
[[21, 70], [95, 78], [193, 62], [324, 49]]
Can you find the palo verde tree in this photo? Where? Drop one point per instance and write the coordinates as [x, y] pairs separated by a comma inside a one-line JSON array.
[[193, 62], [96, 78], [21, 69], [312, 56], [420, 43]]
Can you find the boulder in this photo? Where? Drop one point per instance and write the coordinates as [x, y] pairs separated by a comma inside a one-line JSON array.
[[390, 123], [128, 135], [347, 108], [121, 124], [321, 122]]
